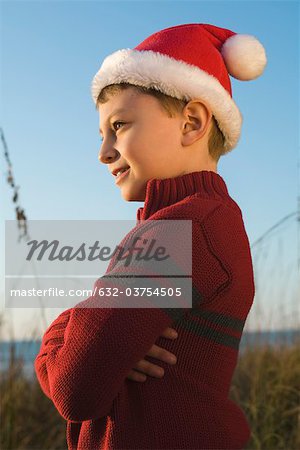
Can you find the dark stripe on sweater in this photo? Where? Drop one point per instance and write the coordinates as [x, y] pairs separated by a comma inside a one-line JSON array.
[[220, 319], [213, 335], [177, 314]]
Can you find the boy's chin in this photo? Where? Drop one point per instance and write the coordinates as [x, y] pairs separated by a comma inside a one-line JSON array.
[[133, 195], [129, 197]]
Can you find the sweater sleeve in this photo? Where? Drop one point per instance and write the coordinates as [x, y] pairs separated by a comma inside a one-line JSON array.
[[88, 351]]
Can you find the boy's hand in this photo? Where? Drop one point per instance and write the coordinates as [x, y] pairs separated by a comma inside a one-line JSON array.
[[152, 369]]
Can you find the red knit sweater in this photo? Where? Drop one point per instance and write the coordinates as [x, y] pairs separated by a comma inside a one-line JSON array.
[[86, 353]]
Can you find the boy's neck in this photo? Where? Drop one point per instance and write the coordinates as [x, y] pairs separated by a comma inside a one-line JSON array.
[[161, 193]]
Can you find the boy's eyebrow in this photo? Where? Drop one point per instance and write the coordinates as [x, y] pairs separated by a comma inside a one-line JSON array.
[[115, 112]]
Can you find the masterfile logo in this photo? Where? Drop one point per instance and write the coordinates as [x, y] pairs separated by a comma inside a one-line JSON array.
[[116, 263], [55, 251]]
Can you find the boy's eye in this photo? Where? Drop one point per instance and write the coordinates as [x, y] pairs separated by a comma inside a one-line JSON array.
[[113, 125], [116, 122]]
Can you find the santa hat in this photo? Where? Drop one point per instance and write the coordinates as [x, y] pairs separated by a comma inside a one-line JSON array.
[[187, 62]]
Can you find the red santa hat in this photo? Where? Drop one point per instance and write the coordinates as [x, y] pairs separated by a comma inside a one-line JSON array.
[[190, 61]]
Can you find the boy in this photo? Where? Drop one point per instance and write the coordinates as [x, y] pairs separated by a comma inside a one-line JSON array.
[[90, 356]]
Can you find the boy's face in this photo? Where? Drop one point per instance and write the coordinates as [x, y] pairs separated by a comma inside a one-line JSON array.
[[147, 140]]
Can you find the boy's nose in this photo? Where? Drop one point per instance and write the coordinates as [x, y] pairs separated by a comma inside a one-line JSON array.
[[107, 156]]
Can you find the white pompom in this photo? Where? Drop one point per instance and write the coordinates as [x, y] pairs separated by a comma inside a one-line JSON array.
[[244, 56]]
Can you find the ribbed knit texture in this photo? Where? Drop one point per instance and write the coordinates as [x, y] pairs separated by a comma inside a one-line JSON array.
[[86, 353]]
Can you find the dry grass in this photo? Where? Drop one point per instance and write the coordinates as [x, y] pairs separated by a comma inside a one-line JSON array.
[[29, 419], [266, 384]]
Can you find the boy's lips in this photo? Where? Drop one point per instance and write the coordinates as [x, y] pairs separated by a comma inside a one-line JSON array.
[[122, 175], [117, 169]]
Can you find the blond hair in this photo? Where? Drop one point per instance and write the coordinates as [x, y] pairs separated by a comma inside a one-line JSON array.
[[172, 106]]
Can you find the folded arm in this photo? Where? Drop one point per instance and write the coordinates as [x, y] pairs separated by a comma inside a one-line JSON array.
[[87, 352]]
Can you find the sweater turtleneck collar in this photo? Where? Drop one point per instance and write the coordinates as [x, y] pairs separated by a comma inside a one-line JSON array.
[[161, 193]]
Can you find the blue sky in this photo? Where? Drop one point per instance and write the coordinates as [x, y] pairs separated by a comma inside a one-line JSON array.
[[51, 50]]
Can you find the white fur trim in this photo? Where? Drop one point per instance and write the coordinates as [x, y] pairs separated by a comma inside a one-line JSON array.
[[244, 56], [175, 78]]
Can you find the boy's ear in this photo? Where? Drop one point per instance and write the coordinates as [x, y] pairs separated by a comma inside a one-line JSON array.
[[196, 121]]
